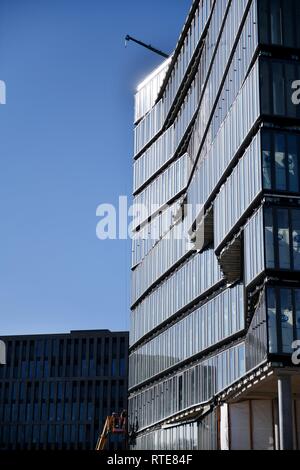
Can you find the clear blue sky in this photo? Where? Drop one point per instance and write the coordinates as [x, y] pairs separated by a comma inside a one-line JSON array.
[[65, 147]]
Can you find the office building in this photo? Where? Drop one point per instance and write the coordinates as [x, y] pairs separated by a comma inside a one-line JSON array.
[[56, 390], [216, 313]]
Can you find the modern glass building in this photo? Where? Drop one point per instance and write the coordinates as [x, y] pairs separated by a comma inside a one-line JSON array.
[[56, 390], [216, 248]]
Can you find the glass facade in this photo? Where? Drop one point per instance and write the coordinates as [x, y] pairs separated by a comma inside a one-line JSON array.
[[164, 301], [147, 91], [193, 385], [281, 158], [202, 435], [272, 241], [275, 325], [56, 390], [283, 314], [208, 325], [218, 152], [164, 188]]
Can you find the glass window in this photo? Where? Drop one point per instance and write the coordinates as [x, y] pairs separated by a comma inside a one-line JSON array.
[[44, 411], [46, 368], [36, 434], [283, 235], [297, 313], [59, 412], [66, 435], [288, 23], [293, 163], [278, 89], [51, 412], [266, 157], [122, 366], [265, 88], [231, 364], [226, 317], [82, 412], [286, 319], [264, 17], [180, 392], [296, 239], [272, 324], [52, 391], [57, 434], [280, 163], [90, 411], [276, 22], [74, 412], [269, 238], [241, 359], [290, 75], [81, 433]]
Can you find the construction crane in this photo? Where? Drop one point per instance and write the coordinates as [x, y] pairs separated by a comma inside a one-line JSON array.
[[114, 424], [147, 46]]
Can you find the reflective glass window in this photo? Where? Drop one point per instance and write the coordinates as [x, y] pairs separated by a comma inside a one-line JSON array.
[[283, 235], [280, 162], [266, 160], [276, 22], [272, 322], [278, 88], [293, 163], [295, 215], [269, 238], [286, 319]]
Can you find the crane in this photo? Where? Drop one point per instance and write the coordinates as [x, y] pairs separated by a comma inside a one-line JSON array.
[[147, 46], [114, 424]]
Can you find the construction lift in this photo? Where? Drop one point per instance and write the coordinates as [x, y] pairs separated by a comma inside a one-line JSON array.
[[147, 46], [114, 425]]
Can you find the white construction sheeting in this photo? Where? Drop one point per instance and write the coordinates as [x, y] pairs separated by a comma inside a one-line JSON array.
[[239, 422], [262, 425], [252, 425], [224, 428]]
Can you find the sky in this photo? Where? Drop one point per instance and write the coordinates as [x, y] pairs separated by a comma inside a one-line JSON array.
[[66, 146]]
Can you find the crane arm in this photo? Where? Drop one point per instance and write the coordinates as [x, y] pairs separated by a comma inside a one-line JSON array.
[[103, 437], [148, 46]]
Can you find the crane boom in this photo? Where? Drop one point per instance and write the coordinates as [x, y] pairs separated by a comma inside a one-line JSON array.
[[114, 424], [103, 436], [147, 46]]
